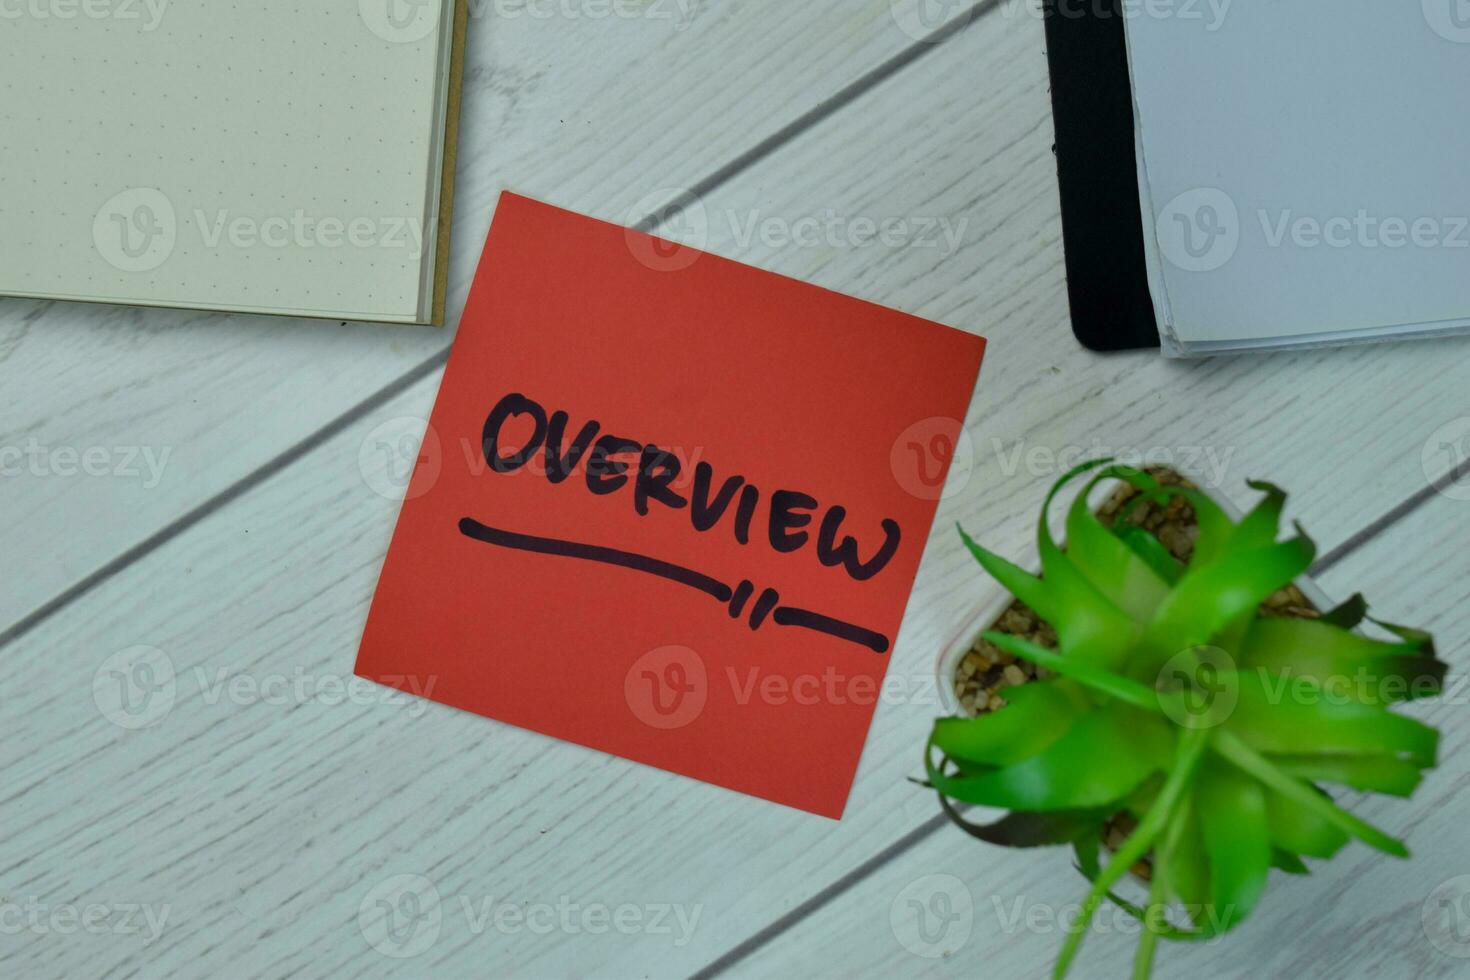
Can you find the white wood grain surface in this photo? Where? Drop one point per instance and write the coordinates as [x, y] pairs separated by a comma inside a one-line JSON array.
[[263, 821]]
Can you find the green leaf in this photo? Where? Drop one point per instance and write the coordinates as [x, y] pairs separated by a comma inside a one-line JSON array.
[[1103, 681], [1296, 717], [1089, 625], [1167, 931], [1233, 826], [1208, 599], [1154, 923], [1175, 836], [1300, 830], [1087, 849], [1102, 758], [1189, 870], [1273, 641], [1419, 639], [1035, 716], [1215, 529], [1259, 528], [1120, 574], [1376, 773], [1371, 671], [1188, 752], [1288, 862], [1170, 932], [1348, 615], [1023, 585], [1215, 526], [1152, 552], [1252, 763]]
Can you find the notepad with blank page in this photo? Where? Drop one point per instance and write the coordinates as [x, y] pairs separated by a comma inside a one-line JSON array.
[[271, 156], [1303, 171]]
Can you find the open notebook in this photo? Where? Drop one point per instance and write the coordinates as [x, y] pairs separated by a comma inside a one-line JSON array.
[[271, 156], [1302, 170]]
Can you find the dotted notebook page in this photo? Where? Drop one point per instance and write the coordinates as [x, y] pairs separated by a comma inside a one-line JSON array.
[[261, 155]]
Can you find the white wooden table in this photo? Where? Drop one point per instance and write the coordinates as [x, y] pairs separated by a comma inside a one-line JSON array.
[[242, 832]]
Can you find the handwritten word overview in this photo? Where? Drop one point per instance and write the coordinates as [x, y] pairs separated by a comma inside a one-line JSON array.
[[613, 463], [610, 464]]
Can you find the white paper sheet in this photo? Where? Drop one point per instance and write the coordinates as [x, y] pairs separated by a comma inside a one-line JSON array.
[[1305, 168]]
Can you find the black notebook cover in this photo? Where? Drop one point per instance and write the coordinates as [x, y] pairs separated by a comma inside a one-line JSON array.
[[1097, 170]]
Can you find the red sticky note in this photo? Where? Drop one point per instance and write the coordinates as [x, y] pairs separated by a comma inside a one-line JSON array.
[[669, 506]]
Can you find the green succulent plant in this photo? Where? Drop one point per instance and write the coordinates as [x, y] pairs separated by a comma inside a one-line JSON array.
[[1173, 702]]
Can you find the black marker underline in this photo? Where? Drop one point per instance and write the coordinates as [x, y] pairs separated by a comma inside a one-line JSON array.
[[714, 588]]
